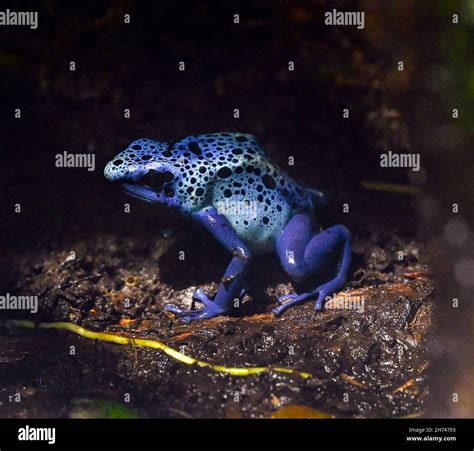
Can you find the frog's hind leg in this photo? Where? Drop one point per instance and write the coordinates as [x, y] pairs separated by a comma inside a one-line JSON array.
[[303, 254]]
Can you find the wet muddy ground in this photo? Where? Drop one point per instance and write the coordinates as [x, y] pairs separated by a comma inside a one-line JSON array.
[[364, 363], [94, 265]]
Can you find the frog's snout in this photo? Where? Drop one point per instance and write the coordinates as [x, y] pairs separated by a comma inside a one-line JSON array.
[[119, 170], [113, 171]]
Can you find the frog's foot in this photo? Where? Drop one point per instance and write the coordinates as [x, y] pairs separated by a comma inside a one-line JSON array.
[[292, 299], [200, 296], [210, 309], [303, 254]]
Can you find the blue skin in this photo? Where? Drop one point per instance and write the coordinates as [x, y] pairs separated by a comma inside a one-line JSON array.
[[227, 183]]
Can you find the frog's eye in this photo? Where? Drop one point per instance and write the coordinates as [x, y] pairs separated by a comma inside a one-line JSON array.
[[156, 180]]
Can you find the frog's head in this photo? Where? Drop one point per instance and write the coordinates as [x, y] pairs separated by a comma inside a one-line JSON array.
[[146, 170]]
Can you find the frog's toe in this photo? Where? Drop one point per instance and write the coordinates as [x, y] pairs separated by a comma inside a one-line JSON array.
[[193, 315], [209, 311], [200, 296], [178, 311], [288, 301], [324, 291], [287, 297]]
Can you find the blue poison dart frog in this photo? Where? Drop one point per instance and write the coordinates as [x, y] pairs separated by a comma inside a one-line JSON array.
[[228, 183]]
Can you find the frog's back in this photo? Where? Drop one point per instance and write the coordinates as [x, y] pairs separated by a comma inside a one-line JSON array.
[[239, 179]]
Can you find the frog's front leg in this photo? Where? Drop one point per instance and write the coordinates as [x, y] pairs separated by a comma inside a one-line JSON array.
[[232, 282], [303, 254]]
